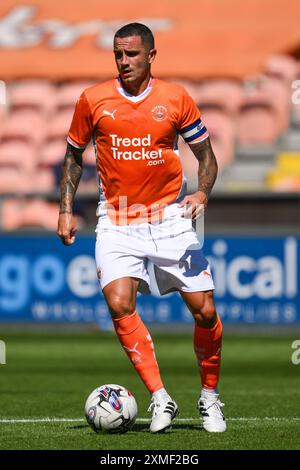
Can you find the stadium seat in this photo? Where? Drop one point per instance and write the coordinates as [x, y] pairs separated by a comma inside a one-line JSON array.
[[68, 94], [3, 115], [283, 67], [188, 85], [222, 130], [59, 125], [17, 163], [29, 213], [89, 157], [24, 213], [49, 165], [295, 117], [278, 94], [222, 135], [32, 94], [227, 94], [189, 163], [258, 121], [52, 152], [24, 125]]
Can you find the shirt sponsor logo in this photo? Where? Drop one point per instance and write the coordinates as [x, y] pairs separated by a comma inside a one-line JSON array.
[[143, 148]]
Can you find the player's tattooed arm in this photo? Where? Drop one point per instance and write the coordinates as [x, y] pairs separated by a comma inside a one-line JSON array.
[[71, 174], [208, 167], [207, 173]]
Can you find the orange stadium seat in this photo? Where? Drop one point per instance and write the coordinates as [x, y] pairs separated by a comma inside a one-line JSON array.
[[67, 94], [257, 124], [222, 131], [89, 179], [190, 86], [227, 94], [59, 125], [89, 157], [295, 118], [258, 121], [17, 162], [189, 162], [222, 135], [32, 94], [279, 95], [2, 119], [52, 152], [32, 213], [51, 156], [24, 125], [283, 67]]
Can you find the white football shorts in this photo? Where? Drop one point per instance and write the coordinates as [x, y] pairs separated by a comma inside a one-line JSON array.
[[166, 256]]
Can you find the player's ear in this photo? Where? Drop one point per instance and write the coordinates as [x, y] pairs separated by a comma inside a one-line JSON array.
[[152, 55]]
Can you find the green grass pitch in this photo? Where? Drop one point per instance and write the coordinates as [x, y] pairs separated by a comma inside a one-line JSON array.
[[49, 375]]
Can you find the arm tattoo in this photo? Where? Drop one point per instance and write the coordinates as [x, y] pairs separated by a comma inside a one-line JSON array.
[[208, 168], [71, 174]]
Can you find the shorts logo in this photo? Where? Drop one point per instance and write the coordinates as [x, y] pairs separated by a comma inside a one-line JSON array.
[[159, 113], [206, 273]]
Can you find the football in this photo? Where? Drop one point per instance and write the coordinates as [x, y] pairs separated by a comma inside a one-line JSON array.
[[111, 408]]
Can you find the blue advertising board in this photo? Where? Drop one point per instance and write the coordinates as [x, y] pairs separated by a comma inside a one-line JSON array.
[[42, 280]]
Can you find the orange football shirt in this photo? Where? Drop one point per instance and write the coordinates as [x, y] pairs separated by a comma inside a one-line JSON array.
[[135, 142]]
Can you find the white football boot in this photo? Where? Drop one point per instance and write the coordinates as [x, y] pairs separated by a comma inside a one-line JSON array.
[[210, 406], [163, 412]]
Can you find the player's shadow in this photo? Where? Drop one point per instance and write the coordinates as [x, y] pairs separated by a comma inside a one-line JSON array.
[[79, 426], [141, 427]]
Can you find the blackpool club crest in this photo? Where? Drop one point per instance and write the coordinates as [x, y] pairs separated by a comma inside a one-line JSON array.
[[159, 113]]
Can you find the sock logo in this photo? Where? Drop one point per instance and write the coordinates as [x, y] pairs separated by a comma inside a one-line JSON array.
[[136, 359], [134, 349]]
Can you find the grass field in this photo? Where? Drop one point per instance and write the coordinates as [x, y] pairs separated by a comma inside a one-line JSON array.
[[48, 377]]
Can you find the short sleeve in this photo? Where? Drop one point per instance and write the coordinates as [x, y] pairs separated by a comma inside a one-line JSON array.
[[191, 127], [81, 129]]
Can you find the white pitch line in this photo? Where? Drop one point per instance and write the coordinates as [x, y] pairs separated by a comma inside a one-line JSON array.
[[146, 420]]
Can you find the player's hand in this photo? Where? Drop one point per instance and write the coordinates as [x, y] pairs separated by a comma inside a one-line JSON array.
[[67, 228], [196, 204]]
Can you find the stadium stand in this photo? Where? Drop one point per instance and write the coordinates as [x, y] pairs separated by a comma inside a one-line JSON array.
[[32, 94], [226, 94], [68, 94], [17, 162], [25, 125], [252, 123], [286, 174], [24, 213]]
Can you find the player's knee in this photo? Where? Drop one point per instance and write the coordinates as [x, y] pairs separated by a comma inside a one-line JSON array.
[[209, 312], [120, 306], [206, 316]]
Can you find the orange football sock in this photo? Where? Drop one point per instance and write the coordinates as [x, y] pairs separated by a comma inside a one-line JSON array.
[[136, 341], [207, 346]]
